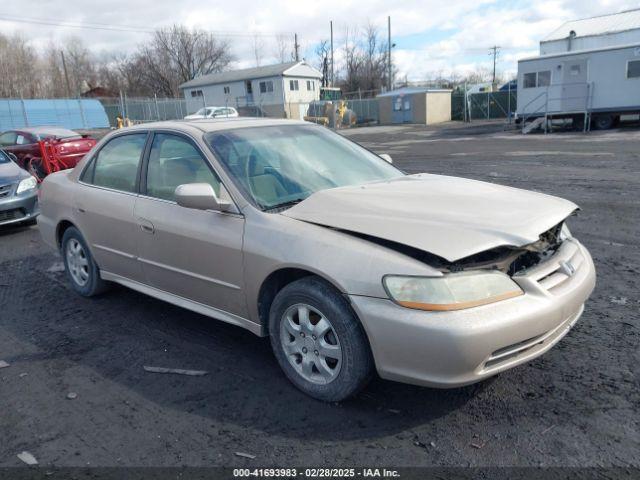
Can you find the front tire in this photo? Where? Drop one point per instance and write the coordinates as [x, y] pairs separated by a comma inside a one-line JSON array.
[[603, 122], [318, 341], [81, 268]]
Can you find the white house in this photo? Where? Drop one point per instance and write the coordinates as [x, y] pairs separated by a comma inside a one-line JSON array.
[[282, 90], [594, 33]]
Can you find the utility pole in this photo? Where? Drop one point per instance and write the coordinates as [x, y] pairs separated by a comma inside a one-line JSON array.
[[66, 74], [331, 26], [389, 85], [494, 51], [296, 47]]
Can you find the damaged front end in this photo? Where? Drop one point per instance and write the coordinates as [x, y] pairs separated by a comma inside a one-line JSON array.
[[507, 259]]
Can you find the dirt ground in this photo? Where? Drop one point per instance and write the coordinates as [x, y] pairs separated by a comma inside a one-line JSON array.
[[578, 405]]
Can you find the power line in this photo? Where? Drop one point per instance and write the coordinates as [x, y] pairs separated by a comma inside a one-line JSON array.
[[128, 28]]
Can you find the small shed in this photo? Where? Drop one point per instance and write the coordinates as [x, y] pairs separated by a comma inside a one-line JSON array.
[[419, 105]]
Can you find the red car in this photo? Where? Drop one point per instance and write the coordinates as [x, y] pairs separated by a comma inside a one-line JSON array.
[[43, 150]]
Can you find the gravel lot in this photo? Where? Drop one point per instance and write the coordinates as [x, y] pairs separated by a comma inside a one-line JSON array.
[[576, 406]]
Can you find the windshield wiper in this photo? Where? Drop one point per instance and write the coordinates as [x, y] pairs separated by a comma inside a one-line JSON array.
[[288, 203]]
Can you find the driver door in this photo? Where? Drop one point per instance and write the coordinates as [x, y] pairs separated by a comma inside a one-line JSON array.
[[194, 254]]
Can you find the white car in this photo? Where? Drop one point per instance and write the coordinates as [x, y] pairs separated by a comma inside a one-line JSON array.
[[213, 112]]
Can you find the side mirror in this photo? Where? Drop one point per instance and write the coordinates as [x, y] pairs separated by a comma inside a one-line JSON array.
[[12, 157], [386, 157], [200, 196]]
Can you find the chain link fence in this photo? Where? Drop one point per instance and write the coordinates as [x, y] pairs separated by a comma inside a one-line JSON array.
[[83, 113], [144, 109], [487, 106]]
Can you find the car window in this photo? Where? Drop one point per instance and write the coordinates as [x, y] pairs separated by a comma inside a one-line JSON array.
[[7, 139], [175, 161], [21, 140], [116, 165]]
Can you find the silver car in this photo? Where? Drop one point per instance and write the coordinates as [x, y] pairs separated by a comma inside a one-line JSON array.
[[350, 266], [18, 193]]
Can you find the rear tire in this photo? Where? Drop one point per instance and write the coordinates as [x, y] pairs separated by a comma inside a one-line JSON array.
[[81, 268], [318, 340], [603, 122]]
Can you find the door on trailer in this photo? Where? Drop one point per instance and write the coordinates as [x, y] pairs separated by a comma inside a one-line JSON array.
[[407, 114], [574, 86], [396, 106]]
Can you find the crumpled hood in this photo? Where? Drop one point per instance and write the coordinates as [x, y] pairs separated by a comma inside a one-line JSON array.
[[450, 217]]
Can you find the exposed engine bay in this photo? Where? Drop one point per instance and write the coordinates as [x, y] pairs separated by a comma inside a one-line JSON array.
[[510, 260]]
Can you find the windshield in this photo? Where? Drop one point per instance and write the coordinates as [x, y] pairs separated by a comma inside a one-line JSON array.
[[4, 158], [204, 111], [280, 165]]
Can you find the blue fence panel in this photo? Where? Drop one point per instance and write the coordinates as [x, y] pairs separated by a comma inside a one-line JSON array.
[[69, 113]]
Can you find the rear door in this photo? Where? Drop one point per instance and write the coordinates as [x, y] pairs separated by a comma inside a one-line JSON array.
[[194, 254], [105, 201]]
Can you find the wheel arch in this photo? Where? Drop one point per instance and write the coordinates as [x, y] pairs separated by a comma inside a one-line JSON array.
[[276, 281], [63, 226]]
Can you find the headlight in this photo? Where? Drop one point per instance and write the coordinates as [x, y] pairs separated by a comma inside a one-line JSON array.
[[564, 232], [27, 184], [453, 291]]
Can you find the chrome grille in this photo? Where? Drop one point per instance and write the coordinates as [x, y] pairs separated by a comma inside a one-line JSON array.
[[553, 274]]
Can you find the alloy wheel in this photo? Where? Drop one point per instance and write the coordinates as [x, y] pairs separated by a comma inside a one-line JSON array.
[[77, 262], [310, 344]]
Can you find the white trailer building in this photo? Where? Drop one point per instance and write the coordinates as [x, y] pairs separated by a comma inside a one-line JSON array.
[[280, 90], [584, 75]]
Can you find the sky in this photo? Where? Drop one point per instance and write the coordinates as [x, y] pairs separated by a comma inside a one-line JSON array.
[[432, 37]]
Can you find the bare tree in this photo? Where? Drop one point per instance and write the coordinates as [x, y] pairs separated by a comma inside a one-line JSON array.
[[258, 49], [322, 54], [283, 48], [81, 67], [365, 62], [176, 55], [18, 68]]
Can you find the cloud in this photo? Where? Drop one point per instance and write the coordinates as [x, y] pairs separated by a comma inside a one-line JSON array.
[[455, 37]]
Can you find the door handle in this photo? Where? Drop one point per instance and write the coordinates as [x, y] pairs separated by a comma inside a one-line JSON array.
[[146, 226]]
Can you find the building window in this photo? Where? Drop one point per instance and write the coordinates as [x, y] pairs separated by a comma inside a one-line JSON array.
[[293, 85], [196, 93], [227, 90], [544, 78], [574, 70], [311, 85], [266, 87], [633, 69], [537, 79], [530, 80]]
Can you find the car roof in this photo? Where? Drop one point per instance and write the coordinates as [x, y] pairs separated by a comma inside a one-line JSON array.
[[46, 130], [215, 124]]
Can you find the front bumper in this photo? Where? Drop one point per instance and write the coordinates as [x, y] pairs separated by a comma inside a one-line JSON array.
[[452, 349], [18, 208]]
